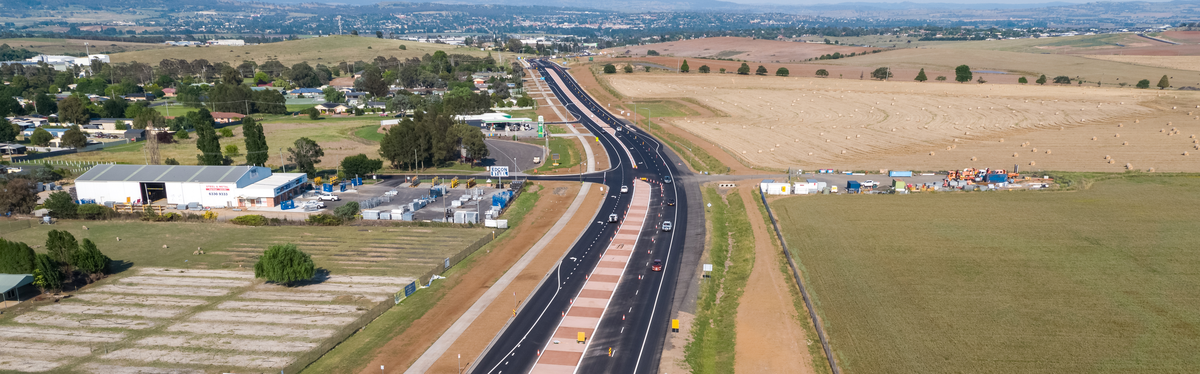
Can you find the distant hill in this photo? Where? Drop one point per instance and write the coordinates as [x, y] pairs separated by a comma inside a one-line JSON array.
[[746, 49]]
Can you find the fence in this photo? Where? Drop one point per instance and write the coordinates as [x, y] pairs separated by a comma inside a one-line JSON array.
[[812, 313], [303, 360]]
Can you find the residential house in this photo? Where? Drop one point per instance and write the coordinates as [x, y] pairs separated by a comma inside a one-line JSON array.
[[300, 92], [354, 97], [344, 82], [227, 117], [333, 108], [168, 92], [12, 149], [110, 124], [382, 105]]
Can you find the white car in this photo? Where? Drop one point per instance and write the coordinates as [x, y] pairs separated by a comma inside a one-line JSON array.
[[328, 197], [870, 183], [612, 218], [624, 189], [666, 226]]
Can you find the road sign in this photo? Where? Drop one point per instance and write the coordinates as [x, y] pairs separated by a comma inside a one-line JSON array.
[[541, 127], [675, 325], [707, 267], [554, 156], [499, 171]]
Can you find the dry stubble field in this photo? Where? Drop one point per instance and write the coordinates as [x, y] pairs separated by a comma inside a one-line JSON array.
[[855, 124]]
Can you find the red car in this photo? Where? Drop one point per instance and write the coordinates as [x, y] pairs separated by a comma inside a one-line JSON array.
[[657, 265]]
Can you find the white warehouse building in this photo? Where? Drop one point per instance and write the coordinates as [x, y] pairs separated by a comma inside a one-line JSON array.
[[208, 186]]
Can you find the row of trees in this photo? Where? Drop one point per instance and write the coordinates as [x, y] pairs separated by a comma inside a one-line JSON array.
[[430, 139], [65, 259]]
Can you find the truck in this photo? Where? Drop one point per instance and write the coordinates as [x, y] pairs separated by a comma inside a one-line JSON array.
[[853, 186], [537, 159]]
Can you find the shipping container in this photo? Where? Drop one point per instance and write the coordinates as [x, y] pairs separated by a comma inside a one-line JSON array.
[[898, 173], [853, 186]]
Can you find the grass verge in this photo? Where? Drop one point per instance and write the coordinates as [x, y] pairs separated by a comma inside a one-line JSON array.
[[731, 251]]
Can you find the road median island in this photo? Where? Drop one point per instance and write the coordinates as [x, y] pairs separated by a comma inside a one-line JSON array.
[[588, 307]]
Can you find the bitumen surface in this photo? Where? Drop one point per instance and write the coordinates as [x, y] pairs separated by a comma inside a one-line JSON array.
[[516, 156], [638, 317]]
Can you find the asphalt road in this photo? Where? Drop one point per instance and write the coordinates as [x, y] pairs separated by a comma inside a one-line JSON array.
[[638, 316], [516, 155]]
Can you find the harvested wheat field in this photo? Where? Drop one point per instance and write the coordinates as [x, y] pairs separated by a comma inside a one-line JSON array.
[[868, 125], [759, 50]]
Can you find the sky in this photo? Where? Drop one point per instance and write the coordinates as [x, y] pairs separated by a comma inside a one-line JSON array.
[[956, 2]]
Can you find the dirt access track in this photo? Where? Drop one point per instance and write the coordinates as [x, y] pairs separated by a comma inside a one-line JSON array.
[[405, 348], [746, 49]]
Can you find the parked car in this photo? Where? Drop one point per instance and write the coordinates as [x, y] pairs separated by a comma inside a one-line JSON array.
[[666, 226], [870, 183], [328, 197]]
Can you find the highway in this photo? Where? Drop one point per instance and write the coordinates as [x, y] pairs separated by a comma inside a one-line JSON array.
[[636, 320]]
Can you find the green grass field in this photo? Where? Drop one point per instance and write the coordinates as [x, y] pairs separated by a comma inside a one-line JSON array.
[[662, 108], [714, 333], [396, 251], [370, 133], [327, 50], [1047, 45], [1101, 279]]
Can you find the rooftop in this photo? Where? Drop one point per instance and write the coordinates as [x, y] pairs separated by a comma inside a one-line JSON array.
[[165, 173]]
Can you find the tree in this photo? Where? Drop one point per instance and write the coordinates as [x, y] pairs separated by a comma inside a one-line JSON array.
[[114, 107], [403, 48], [744, 69], [683, 68], [46, 274], [1143, 84], [881, 73], [347, 212], [628, 68], [313, 113], [354, 32], [41, 137], [209, 144], [1022, 80], [44, 104], [1062, 79], [782, 72], [8, 131], [525, 102], [61, 245], [89, 259], [232, 150], [651, 52], [360, 165], [72, 110], [1164, 83], [256, 142], [1041, 80], [17, 195], [962, 74], [609, 69], [762, 70], [149, 119], [372, 82], [303, 75], [306, 155], [333, 95], [921, 76], [62, 204], [231, 76], [704, 69], [74, 138], [379, 34], [16, 257], [284, 264], [170, 161], [822, 73]]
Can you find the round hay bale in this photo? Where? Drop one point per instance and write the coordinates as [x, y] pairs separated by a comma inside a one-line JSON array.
[[1185, 153], [931, 153], [1137, 121], [1031, 163], [843, 151], [1124, 143], [164, 246], [1107, 157], [973, 159], [827, 140], [1093, 138], [1120, 125], [1150, 170], [1128, 166], [1015, 155], [1047, 151], [1034, 150], [1112, 161], [1116, 135], [1002, 140]]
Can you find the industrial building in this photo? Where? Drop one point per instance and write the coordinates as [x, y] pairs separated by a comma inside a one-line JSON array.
[[207, 186]]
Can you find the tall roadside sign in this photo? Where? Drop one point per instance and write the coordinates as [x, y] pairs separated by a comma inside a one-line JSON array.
[[541, 127]]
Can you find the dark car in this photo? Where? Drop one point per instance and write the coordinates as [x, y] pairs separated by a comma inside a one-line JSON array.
[[671, 202], [657, 266], [667, 179]]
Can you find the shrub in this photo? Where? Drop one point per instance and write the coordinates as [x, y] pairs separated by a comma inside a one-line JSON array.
[[88, 259], [941, 78], [182, 134], [250, 220], [284, 264], [324, 219], [226, 132], [61, 204], [93, 211], [348, 211], [170, 161], [1144, 83], [822, 73]]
